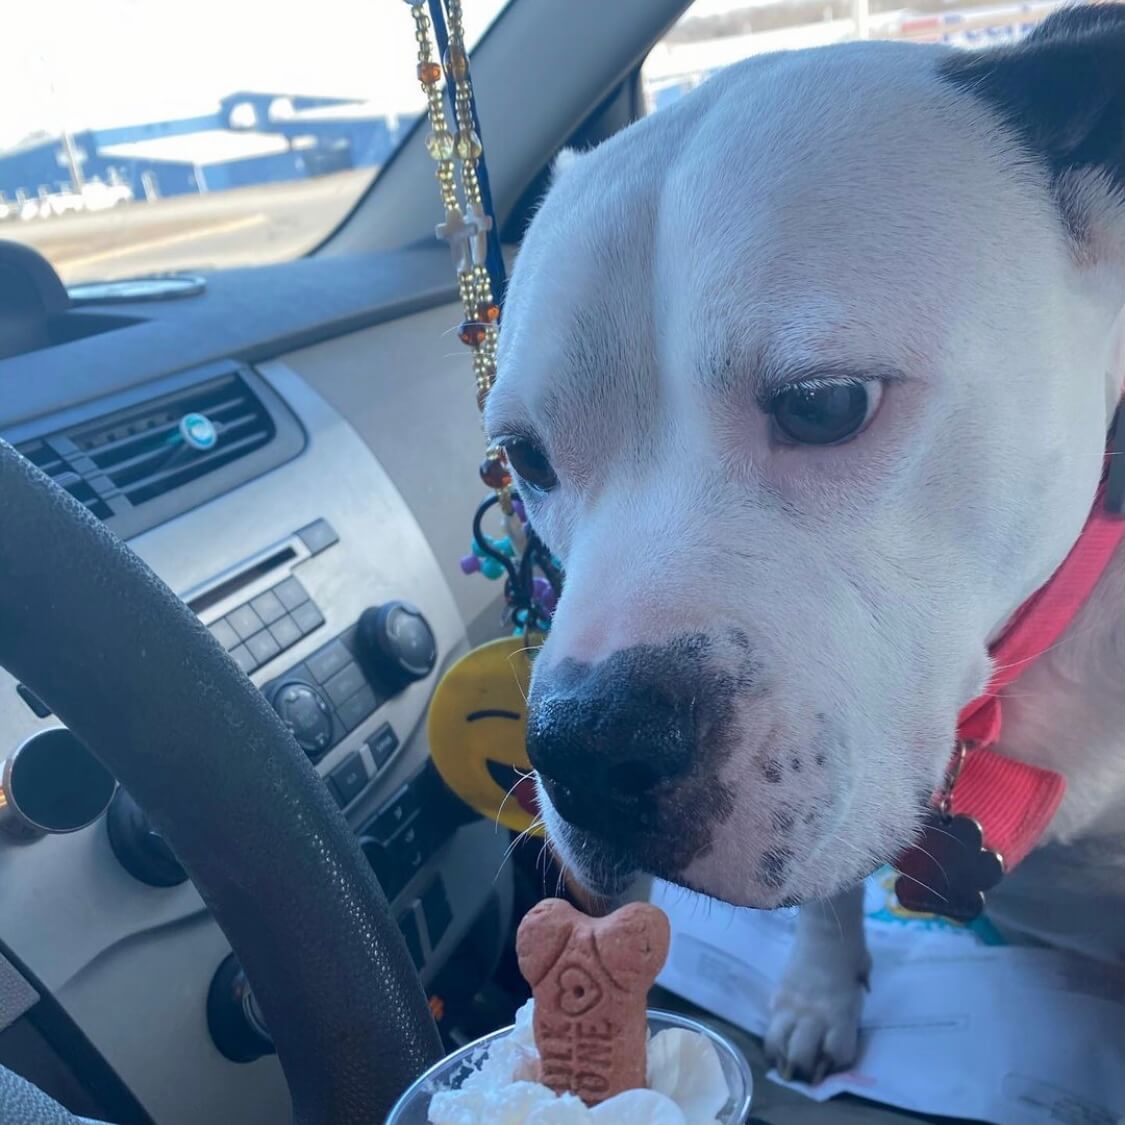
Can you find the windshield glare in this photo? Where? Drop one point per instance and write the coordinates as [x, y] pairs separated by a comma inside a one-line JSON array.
[[138, 137]]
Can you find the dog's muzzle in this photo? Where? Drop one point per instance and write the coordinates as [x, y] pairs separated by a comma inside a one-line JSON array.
[[605, 748], [626, 751]]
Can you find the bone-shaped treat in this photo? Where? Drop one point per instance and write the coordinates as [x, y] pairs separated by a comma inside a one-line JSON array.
[[590, 978]]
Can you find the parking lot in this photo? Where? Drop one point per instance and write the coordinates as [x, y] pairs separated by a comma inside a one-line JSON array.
[[245, 226]]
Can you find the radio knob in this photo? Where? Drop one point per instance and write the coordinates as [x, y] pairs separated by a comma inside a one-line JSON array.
[[397, 643], [306, 713]]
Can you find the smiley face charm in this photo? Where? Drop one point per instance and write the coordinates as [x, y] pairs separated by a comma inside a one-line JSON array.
[[477, 730]]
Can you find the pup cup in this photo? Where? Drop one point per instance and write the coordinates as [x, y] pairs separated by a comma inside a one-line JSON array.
[[585, 1051]]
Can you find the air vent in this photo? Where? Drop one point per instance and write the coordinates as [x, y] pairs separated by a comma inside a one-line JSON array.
[[40, 454], [154, 454], [144, 453]]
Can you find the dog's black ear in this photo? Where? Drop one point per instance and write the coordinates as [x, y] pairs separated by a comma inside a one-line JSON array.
[[1062, 89]]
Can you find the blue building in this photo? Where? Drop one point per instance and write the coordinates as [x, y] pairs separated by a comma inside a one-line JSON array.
[[251, 138]]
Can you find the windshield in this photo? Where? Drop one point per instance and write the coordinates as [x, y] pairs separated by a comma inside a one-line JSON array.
[[139, 137]]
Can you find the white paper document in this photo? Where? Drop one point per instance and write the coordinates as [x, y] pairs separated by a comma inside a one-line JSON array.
[[957, 1023]]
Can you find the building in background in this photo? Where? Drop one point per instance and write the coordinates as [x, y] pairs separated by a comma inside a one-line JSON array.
[[252, 138]]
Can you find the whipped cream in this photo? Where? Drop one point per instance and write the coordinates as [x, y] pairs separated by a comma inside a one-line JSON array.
[[686, 1086]]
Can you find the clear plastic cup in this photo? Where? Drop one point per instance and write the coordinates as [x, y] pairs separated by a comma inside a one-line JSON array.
[[413, 1108]]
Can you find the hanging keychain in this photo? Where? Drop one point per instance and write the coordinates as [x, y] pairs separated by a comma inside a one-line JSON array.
[[478, 717]]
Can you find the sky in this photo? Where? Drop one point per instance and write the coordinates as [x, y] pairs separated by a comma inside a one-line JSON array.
[[80, 64]]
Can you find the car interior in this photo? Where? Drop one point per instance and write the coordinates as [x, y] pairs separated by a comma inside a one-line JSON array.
[[257, 712], [349, 492]]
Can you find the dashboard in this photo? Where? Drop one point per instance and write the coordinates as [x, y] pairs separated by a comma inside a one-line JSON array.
[[321, 549]]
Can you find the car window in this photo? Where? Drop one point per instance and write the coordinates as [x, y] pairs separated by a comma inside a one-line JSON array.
[[712, 34], [138, 137]]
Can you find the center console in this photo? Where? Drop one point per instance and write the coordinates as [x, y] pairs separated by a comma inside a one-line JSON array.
[[319, 582]]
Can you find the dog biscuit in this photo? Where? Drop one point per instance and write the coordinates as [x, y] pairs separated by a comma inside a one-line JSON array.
[[590, 978]]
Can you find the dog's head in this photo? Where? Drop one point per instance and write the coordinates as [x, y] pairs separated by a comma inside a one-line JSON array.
[[804, 380]]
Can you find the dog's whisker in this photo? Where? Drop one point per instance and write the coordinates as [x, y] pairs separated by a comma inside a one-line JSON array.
[[511, 849], [1073, 633], [516, 675], [924, 886], [500, 810], [520, 777], [937, 828], [936, 862], [836, 916]]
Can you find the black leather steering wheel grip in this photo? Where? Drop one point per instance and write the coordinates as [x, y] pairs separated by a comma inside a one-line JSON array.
[[91, 630]]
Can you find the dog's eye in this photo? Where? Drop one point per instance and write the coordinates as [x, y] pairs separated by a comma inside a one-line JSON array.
[[824, 412], [530, 464]]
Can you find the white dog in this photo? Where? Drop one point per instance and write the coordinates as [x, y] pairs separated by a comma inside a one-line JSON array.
[[807, 379]]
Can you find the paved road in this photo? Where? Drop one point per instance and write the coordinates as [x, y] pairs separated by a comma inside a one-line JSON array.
[[241, 227]]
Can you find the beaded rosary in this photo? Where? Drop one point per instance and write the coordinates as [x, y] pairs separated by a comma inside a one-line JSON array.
[[470, 231], [477, 716]]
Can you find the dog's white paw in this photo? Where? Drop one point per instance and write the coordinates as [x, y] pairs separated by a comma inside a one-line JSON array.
[[814, 1021]]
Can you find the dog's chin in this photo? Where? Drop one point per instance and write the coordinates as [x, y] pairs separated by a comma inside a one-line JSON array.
[[762, 876], [607, 870], [800, 891]]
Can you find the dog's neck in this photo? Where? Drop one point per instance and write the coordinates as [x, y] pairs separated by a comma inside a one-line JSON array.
[[1067, 712]]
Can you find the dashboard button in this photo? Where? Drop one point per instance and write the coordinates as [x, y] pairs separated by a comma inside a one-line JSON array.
[[318, 536], [410, 861], [355, 709], [224, 633], [345, 683], [245, 621], [382, 744], [268, 607], [291, 593], [244, 658], [307, 715], [390, 877], [328, 661], [285, 631], [348, 779], [263, 647], [408, 840], [308, 618], [394, 815]]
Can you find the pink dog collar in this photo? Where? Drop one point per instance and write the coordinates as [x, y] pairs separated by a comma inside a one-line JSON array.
[[993, 809]]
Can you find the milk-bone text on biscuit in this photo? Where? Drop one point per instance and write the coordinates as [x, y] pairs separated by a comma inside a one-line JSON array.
[[590, 978]]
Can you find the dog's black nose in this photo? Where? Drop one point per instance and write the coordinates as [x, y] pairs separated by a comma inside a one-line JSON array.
[[604, 737]]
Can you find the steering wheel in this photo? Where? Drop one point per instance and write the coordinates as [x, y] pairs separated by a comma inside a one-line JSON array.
[[134, 674]]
